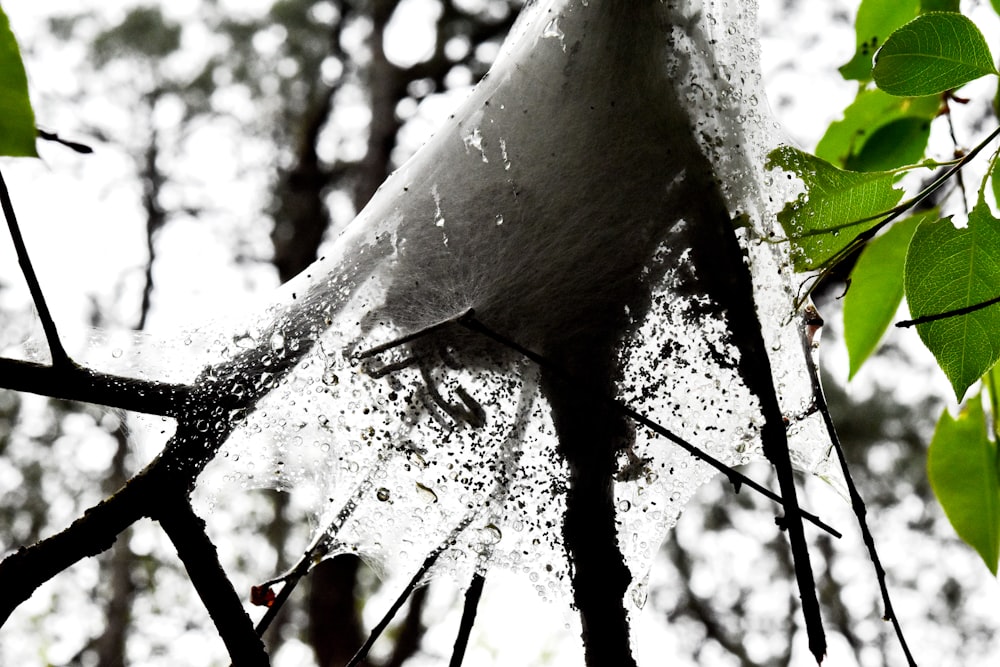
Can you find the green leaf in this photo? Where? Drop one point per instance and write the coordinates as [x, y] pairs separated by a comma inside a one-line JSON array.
[[835, 208], [893, 145], [948, 269], [17, 120], [876, 21], [871, 110], [996, 5], [995, 180], [939, 6], [962, 468], [876, 289], [931, 54]]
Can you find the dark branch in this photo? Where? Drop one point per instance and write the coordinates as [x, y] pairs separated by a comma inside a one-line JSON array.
[[411, 631], [201, 560], [958, 312], [59, 357], [396, 606], [25, 570], [75, 383], [472, 597], [857, 504], [72, 145]]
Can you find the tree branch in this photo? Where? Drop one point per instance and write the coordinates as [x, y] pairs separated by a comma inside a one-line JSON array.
[[59, 357], [76, 383], [29, 567], [957, 312], [201, 560], [472, 597], [857, 503], [400, 600]]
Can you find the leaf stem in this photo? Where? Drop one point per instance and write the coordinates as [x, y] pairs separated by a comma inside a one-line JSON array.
[[957, 312]]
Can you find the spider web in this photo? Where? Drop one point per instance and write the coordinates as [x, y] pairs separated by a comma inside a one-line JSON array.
[[567, 195]]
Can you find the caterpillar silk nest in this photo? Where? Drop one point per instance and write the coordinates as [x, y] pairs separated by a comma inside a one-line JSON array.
[[585, 202]]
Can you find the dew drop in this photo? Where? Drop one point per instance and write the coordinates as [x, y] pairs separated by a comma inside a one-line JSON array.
[[491, 534], [426, 493], [552, 29]]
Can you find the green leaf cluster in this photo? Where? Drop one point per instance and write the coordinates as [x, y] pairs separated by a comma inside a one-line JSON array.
[[910, 55]]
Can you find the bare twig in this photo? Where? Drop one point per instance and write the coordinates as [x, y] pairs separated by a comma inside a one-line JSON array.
[[72, 145], [957, 312], [201, 560], [411, 631], [28, 568], [409, 338], [857, 504], [472, 597], [59, 357], [407, 590]]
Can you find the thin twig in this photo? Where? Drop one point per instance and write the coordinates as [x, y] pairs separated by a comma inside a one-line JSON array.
[[891, 215], [737, 478], [59, 357], [72, 145], [407, 590], [408, 338], [316, 552], [472, 597], [857, 502], [954, 141], [957, 312]]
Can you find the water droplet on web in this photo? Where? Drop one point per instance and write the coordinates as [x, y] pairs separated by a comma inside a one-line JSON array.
[[640, 593], [490, 534], [245, 341], [475, 140], [426, 493], [552, 30], [382, 494]]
